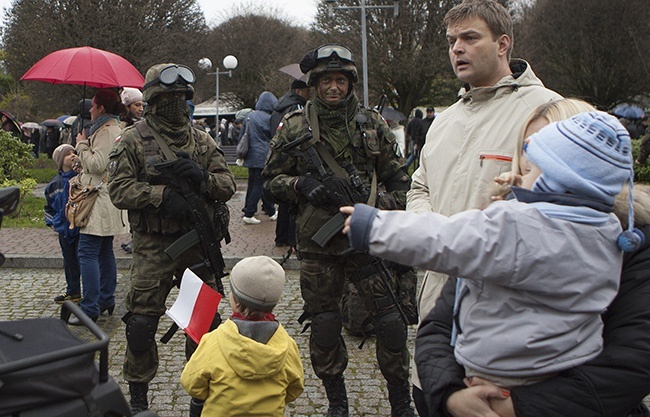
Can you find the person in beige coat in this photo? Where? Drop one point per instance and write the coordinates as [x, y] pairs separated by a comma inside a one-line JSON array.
[[95, 251], [473, 141]]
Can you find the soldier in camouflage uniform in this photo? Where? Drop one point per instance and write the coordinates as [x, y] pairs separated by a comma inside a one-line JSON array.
[[359, 141], [158, 213]]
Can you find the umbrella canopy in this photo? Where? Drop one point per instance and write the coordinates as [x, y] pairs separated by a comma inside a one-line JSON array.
[[390, 113], [628, 111], [51, 123], [69, 120], [31, 125], [62, 117], [85, 66], [10, 124], [294, 71]]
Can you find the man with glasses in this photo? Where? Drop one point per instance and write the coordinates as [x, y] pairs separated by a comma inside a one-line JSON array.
[[158, 211], [323, 156]]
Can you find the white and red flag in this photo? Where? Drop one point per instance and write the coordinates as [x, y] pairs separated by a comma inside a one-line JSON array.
[[195, 306]]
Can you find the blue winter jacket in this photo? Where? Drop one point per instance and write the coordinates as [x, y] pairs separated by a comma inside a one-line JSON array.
[[258, 124], [56, 197]]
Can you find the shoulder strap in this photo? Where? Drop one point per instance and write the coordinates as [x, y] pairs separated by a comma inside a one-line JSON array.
[[146, 131], [312, 120]]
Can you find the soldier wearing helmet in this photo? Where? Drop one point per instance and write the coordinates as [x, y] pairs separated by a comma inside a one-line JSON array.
[[334, 137], [158, 212]]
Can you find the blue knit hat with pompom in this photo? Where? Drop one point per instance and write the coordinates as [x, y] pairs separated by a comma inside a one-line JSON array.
[[588, 155]]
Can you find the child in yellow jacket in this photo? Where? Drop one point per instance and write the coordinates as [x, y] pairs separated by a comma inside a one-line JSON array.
[[249, 365]]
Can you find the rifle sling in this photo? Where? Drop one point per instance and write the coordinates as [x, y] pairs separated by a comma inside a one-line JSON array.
[[312, 119]]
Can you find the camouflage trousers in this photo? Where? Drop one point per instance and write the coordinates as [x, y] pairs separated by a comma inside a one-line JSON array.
[[151, 279], [356, 319], [322, 281]]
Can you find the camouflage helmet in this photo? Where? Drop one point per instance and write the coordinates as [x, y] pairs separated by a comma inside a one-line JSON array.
[[167, 78], [326, 58]]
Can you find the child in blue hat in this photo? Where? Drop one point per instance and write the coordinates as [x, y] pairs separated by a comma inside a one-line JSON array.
[[538, 269]]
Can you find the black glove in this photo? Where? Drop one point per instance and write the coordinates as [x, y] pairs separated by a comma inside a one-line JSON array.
[[184, 167], [313, 189], [175, 205]]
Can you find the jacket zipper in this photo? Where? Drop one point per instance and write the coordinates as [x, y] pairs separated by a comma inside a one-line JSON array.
[[495, 157]]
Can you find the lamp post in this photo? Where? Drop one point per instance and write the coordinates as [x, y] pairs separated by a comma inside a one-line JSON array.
[[229, 63], [364, 43]]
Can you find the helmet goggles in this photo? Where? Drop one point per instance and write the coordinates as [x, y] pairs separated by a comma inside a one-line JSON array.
[[173, 76], [327, 51]]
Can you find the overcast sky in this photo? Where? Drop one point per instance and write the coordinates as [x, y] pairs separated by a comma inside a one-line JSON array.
[[301, 12]]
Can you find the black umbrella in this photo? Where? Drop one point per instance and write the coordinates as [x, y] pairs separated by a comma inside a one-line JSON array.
[[10, 124], [390, 113], [52, 123]]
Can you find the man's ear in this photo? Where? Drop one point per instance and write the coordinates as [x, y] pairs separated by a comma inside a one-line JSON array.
[[504, 42]]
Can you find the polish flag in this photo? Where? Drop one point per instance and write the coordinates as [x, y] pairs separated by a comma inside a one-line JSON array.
[[195, 306]]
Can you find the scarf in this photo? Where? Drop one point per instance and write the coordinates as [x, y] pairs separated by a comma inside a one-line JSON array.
[[99, 122], [265, 317], [335, 121]]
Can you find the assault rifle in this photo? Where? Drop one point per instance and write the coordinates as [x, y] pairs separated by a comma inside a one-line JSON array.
[[202, 233]]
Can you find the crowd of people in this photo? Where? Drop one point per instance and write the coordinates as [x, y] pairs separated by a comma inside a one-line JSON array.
[[521, 209]]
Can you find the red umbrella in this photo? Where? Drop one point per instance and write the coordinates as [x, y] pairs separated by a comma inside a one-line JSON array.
[[85, 66]]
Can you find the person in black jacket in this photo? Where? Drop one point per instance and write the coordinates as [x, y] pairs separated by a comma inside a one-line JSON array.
[[612, 384], [285, 229], [414, 137]]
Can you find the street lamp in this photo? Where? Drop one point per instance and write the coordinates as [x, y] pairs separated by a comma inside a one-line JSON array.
[[229, 63], [364, 43]]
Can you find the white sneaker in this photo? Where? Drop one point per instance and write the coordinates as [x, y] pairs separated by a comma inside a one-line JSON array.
[[251, 220], [274, 217]]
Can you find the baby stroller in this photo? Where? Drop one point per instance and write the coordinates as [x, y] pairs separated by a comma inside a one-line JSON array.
[[47, 371]]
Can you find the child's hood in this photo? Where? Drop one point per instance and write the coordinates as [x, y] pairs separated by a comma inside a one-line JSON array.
[[253, 359]]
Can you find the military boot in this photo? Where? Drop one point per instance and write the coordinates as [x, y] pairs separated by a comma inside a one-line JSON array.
[[337, 397], [138, 392], [400, 401]]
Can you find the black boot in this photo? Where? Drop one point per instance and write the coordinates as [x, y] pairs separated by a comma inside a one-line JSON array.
[[337, 397], [400, 401], [138, 392]]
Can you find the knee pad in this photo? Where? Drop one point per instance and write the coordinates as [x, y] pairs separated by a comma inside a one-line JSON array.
[[326, 329], [391, 331], [141, 333]]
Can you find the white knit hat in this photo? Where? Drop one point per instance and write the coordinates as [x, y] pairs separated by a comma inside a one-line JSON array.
[[130, 95], [257, 282]]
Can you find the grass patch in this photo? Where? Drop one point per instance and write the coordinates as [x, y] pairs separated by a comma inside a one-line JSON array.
[[30, 215], [42, 175], [240, 173]]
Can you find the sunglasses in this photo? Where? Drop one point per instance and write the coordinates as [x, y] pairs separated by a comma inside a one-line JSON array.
[[171, 75], [329, 50]]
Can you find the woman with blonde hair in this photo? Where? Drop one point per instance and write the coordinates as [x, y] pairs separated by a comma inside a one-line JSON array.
[[552, 111]]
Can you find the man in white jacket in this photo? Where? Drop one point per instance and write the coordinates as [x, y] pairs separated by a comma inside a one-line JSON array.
[[474, 138]]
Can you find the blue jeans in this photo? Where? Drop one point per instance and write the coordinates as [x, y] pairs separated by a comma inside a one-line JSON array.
[[70, 264], [254, 194], [98, 273]]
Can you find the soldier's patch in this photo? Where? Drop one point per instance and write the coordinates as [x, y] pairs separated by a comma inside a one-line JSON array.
[[112, 167], [279, 127], [117, 139]]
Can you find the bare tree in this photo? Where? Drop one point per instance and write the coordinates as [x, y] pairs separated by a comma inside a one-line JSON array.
[[145, 32], [594, 49], [407, 54], [262, 45]]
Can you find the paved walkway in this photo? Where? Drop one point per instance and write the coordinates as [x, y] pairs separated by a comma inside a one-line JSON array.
[[33, 276], [39, 248]]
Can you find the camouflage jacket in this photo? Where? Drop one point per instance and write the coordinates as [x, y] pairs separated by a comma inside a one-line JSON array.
[[134, 184], [283, 168]]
